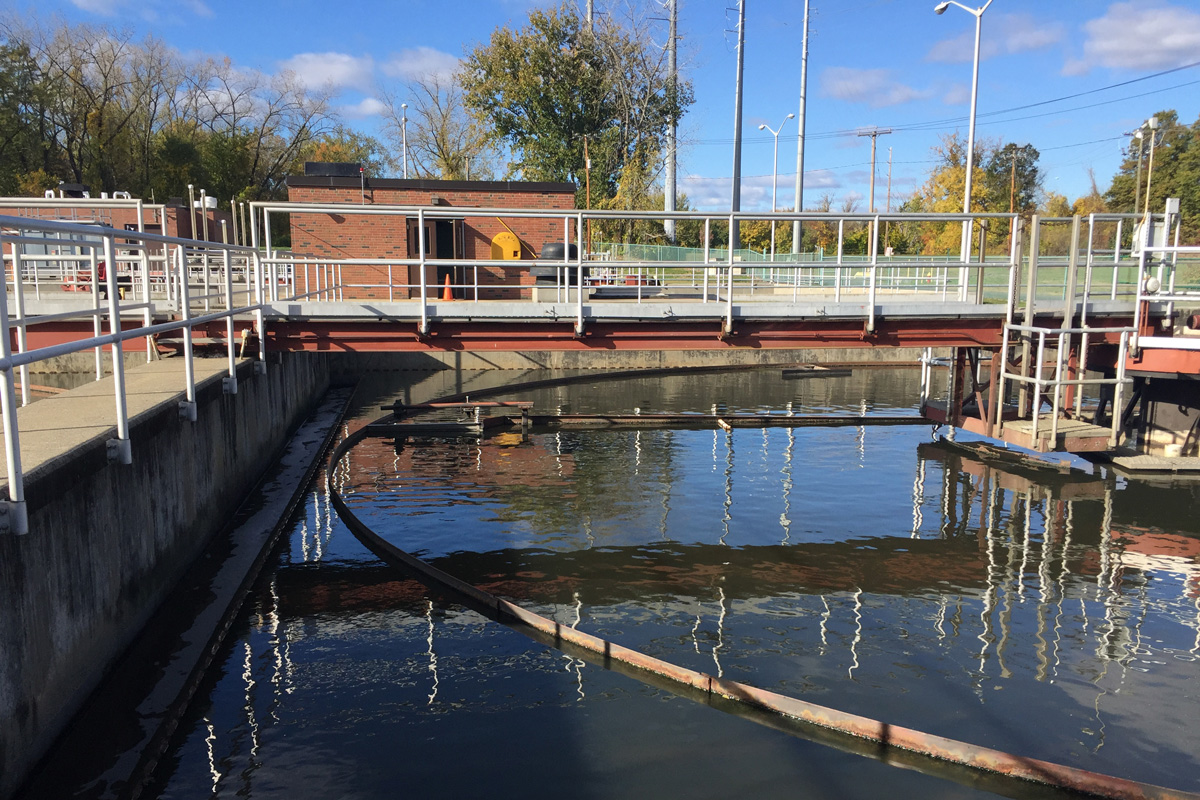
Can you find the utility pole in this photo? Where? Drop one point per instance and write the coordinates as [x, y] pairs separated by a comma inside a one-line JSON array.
[[672, 86], [874, 134], [591, 13], [736, 204], [796, 233]]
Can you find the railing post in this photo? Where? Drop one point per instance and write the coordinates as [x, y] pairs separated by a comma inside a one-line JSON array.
[[421, 270], [147, 315], [19, 305], [837, 270], [1037, 387], [1030, 301], [707, 237], [260, 366], [229, 383], [119, 448], [187, 406], [874, 268], [1118, 391], [1116, 260], [1056, 406], [1071, 278], [579, 274], [14, 514], [729, 299], [97, 351]]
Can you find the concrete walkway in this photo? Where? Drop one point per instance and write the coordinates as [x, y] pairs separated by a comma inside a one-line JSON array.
[[51, 429]]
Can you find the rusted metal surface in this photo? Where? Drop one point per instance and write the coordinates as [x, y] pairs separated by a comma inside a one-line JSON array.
[[1165, 361], [896, 744]]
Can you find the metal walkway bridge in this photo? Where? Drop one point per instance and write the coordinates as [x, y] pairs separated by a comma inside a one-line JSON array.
[[1070, 300]]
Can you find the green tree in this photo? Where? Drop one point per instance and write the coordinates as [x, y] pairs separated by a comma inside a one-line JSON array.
[[27, 157], [341, 144], [544, 88], [1175, 172], [994, 171]]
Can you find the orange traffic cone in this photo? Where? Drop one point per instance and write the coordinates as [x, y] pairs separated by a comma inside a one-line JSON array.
[[446, 293]]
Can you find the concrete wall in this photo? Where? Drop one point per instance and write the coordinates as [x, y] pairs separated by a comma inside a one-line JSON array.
[[353, 363], [108, 541]]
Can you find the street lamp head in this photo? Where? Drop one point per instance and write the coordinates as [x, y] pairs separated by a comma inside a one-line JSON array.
[[940, 8], [791, 116], [1153, 123], [762, 127]]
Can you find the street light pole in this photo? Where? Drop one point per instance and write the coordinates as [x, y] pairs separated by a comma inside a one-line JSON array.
[[775, 175], [1141, 145], [404, 137], [940, 8], [1152, 124]]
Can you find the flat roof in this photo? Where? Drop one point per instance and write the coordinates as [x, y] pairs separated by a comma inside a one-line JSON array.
[[425, 184]]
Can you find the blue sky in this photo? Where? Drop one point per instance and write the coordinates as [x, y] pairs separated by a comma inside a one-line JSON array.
[[872, 63]]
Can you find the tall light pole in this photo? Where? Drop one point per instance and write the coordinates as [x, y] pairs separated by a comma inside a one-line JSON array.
[[735, 204], [404, 137], [672, 157], [775, 174], [1141, 146], [940, 8], [797, 234], [1152, 124]]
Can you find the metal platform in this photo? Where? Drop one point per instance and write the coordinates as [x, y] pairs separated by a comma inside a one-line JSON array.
[[1073, 436]]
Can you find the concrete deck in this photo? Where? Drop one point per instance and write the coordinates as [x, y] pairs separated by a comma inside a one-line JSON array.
[[52, 429]]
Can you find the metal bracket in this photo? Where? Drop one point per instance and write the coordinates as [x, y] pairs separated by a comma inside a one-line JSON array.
[[119, 451], [14, 518], [229, 384], [260, 368], [187, 410]]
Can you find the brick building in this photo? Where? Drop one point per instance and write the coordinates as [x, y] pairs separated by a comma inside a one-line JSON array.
[[336, 237]]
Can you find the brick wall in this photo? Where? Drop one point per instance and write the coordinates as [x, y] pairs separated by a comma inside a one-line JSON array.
[[333, 237]]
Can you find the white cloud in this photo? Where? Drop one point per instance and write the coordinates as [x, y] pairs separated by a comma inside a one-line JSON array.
[[331, 69], [1003, 34], [875, 87], [110, 8], [105, 8], [1139, 36], [367, 107], [419, 62], [956, 95], [707, 194]]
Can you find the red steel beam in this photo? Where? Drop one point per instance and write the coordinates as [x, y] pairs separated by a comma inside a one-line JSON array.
[[372, 336]]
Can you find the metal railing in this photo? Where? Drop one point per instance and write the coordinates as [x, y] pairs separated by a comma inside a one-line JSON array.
[[181, 260], [413, 281]]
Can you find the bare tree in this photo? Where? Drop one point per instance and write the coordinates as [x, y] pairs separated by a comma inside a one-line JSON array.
[[444, 141]]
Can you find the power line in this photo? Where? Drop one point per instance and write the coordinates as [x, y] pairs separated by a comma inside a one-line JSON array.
[[915, 161], [933, 124]]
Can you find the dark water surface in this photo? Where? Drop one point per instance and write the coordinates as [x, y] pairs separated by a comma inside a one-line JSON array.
[[864, 568]]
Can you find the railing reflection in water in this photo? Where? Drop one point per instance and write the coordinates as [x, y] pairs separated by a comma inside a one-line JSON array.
[[1017, 577]]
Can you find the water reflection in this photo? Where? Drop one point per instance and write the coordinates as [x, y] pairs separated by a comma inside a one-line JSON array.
[[1052, 615]]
